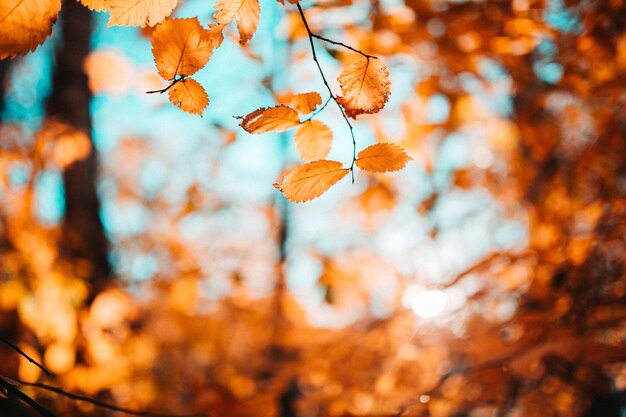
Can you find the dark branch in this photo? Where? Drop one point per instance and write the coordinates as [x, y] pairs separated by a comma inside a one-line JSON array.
[[172, 84], [21, 352], [321, 38], [103, 404], [12, 391]]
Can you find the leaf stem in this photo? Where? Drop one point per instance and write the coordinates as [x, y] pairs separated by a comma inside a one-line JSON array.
[[172, 84]]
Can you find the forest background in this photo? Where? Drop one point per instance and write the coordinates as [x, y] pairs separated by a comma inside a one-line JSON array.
[[147, 263]]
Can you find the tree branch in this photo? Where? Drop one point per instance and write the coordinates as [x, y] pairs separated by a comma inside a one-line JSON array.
[[13, 392], [101, 404], [21, 352], [321, 38], [485, 262], [172, 84]]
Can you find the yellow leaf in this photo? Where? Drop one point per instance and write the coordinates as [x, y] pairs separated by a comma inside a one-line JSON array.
[[246, 13], [25, 24], [181, 47], [139, 12], [313, 140], [311, 180], [382, 157], [273, 119], [365, 86], [189, 95], [306, 103], [97, 5]]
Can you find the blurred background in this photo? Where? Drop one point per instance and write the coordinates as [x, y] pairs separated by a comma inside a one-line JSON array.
[[147, 261]]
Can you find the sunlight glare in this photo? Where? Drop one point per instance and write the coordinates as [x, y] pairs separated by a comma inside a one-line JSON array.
[[428, 304]]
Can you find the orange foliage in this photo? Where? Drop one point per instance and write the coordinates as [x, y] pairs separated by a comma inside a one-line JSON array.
[[25, 24]]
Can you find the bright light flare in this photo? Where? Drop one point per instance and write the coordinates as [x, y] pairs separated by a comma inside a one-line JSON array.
[[425, 303]]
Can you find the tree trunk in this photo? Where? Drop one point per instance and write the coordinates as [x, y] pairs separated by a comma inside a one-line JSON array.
[[4, 75], [83, 235]]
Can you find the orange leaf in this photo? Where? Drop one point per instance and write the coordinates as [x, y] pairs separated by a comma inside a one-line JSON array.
[[273, 119], [365, 86], [305, 103], [97, 5], [313, 140], [382, 157], [182, 47], [25, 24], [189, 95], [311, 180], [246, 13], [139, 12]]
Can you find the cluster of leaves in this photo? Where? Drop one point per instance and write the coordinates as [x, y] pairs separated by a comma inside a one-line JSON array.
[[313, 140], [181, 47]]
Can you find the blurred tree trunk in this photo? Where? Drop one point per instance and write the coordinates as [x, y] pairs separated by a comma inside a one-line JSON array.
[[4, 75], [83, 235]]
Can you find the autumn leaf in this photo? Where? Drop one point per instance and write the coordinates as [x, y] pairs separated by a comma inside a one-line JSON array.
[[245, 12], [181, 47], [311, 180], [365, 86], [25, 24], [306, 103], [273, 119], [97, 5], [382, 157], [139, 12], [189, 95], [313, 140]]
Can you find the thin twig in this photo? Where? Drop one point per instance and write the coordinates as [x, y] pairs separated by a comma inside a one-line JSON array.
[[485, 262], [12, 391], [316, 112], [174, 82], [103, 404], [21, 352], [311, 35], [321, 38]]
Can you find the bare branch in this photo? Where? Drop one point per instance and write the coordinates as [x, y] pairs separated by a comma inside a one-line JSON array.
[[103, 404], [21, 352], [485, 262], [321, 38], [12, 391], [172, 84]]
